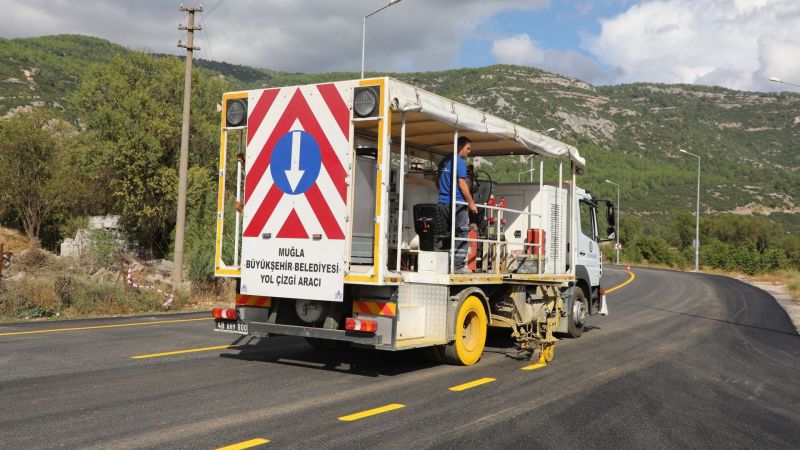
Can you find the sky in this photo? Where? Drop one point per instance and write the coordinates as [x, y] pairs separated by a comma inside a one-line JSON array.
[[736, 44]]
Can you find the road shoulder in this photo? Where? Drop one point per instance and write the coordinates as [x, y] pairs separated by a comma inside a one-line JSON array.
[[781, 295]]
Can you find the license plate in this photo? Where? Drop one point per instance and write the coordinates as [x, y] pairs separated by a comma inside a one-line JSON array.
[[229, 326]]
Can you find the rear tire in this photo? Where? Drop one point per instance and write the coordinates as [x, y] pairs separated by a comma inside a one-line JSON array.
[[577, 313], [471, 325]]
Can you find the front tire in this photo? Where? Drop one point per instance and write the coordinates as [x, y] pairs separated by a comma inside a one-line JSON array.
[[577, 313], [471, 325]]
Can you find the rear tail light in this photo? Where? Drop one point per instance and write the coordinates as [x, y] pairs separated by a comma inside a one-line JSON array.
[[225, 313], [364, 325]]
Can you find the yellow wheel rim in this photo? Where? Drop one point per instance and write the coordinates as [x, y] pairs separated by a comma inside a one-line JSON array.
[[471, 336]]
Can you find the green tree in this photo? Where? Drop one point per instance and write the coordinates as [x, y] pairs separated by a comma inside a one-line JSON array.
[[35, 174], [132, 107], [682, 230]]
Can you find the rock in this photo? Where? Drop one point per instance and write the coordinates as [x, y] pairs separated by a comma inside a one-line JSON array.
[[162, 265], [17, 277]]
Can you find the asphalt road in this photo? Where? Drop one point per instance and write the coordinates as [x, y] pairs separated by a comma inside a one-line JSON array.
[[682, 361]]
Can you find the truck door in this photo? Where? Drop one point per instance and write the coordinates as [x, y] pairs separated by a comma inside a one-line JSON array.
[[588, 249]]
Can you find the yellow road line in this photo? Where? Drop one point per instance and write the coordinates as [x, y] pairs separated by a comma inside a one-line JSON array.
[[471, 384], [371, 412], [246, 444], [97, 327], [620, 286], [534, 366], [180, 352]]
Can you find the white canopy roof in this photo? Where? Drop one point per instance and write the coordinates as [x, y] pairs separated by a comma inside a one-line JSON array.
[[498, 136]]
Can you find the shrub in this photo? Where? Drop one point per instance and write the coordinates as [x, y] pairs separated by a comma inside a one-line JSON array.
[[654, 250], [103, 249], [774, 259], [717, 255], [747, 260]]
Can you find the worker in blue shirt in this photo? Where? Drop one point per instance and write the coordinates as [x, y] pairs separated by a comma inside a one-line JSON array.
[[463, 194]]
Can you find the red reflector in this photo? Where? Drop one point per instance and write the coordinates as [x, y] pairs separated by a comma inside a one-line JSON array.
[[224, 313], [365, 325]]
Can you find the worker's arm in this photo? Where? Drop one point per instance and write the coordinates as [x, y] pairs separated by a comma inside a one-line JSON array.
[[462, 184]]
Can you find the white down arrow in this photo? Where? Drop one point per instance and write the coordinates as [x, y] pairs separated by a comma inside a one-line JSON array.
[[294, 174]]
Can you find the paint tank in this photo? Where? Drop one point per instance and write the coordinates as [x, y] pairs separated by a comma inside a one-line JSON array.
[[418, 190]]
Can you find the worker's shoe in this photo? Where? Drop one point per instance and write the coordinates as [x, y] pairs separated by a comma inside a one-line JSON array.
[[464, 270]]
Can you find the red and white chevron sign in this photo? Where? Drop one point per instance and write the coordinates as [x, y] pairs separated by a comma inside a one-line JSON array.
[[298, 149]]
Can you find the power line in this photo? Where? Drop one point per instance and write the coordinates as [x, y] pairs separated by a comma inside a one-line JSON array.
[[204, 36], [214, 8]]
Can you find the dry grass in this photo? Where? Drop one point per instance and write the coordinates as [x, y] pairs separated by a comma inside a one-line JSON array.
[[789, 279], [13, 241], [42, 286]]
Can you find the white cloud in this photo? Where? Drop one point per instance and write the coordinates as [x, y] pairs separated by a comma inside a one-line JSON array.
[[523, 50], [305, 36], [733, 43], [519, 49]]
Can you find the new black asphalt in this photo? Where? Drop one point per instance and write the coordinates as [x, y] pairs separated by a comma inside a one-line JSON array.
[[683, 361]]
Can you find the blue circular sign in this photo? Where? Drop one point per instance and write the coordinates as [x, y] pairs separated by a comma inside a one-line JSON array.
[[295, 162]]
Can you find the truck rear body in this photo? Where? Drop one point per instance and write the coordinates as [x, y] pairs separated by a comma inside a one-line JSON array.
[[340, 237]]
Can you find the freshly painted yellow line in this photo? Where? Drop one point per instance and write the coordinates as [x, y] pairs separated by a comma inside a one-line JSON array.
[[371, 412], [180, 352], [471, 384], [620, 286], [97, 327], [246, 444], [534, 366]]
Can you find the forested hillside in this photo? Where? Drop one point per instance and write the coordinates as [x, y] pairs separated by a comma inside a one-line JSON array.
[[123, 108]]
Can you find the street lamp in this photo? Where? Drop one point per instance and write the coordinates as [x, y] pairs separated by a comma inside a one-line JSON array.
[[697, 226], [364, 30], [530, 171], [778, 80], [616, 219]]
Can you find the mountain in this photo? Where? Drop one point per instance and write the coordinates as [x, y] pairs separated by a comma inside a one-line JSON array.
[[630, 134]]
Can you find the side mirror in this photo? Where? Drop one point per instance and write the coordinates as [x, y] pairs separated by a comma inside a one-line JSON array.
[[611, 215]]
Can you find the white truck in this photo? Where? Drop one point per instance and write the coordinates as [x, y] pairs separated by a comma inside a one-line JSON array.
[[335, 235]]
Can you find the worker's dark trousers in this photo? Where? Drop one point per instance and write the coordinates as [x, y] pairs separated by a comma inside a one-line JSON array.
[[462, 229]]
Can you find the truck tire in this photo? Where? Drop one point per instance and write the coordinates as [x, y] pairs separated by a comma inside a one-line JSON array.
[[577, 313], [471, 325]]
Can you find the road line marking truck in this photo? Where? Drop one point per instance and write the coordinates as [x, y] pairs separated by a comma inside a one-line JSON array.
[[333, 230]]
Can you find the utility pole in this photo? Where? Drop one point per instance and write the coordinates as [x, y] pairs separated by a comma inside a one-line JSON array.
[[697, 216], [180, 221]]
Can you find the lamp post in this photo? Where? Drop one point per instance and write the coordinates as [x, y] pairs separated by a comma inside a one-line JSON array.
[[364, 30], [697, 225], [530, 171], [616, 219], [778, 80]]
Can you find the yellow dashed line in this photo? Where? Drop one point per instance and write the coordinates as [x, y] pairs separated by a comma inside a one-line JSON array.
[[97, 327], [620, 286], [534, 366], [246, 444], [471, 384], [371, 412], [180, 352]]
